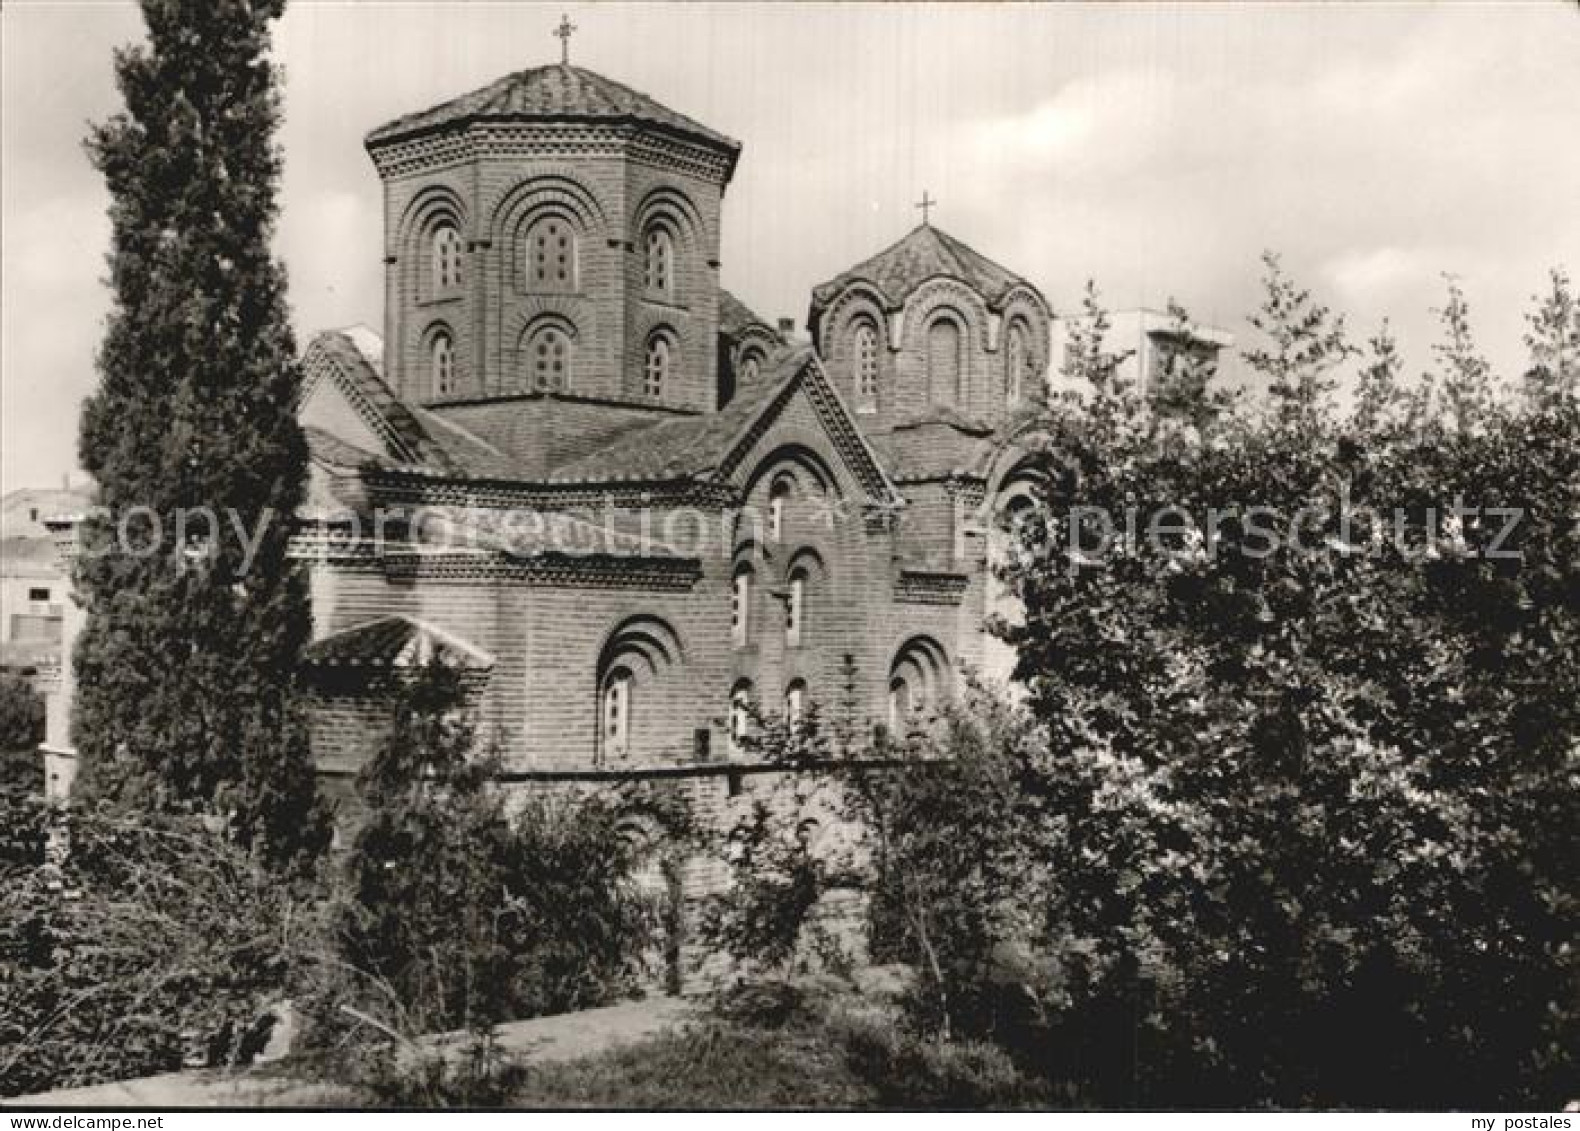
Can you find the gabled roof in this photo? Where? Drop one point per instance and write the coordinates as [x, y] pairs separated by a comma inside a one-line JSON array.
[[670, 449], [395, 642], [926, 253], [685, 447], [710, 446], [335, 355], [553, 93], [735, 317]]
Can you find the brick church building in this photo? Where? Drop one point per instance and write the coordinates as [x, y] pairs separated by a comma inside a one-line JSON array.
[[626, 505]]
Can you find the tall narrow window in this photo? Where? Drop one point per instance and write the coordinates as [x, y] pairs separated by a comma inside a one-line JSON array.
[[795, 702], [741, 605], [656, 373], [616, 711], [795, 608], [551, 255], [943, 361], [548, 359], [740, 717], [866, 366], [1017, 356], [442, 355], [660, 276], [446, 258], [778, 500]]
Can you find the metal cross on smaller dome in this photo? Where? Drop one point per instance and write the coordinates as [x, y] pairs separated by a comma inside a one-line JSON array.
[[925, 204], [563, 33]]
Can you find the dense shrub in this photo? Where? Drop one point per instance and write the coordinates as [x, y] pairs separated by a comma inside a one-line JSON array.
[[1304, 807], [455, 914], [149, 945], [21, 714], [911, 1071]]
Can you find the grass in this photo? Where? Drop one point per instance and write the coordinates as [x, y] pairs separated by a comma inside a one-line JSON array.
[[710, 1065], [777, 1047]]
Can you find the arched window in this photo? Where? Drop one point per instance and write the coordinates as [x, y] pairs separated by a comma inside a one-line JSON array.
[[795, 702], [616, 711], [866, 366], [740, 716], [751, 365], [446, 258], [944, 342], [795, 607], [441, 355], [778, 500], [899, 703], [547, 359], [551, 255], [918, 681], [1017, 362], [741, 605], [655, 374], [660, 270]]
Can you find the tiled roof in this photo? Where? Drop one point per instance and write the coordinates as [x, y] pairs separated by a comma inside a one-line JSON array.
[[926, 253], [465, 452], [395, 642], [935, 447], [393, 419], [684, 447], [331, 449], [735, 316], [553, 92]]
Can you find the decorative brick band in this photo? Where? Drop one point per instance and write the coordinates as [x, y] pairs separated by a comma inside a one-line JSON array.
[[925, 587]]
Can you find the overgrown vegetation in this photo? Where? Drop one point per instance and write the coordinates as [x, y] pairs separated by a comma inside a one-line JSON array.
[[808, 1045], [453, 914], [150, 944], [1281, 820]]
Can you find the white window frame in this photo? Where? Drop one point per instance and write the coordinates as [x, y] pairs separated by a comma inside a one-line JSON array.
[[558, 265], [795, 703], [741, 605], [795, 608], [442, 357], [656, 370], [866, 351], [659, 265], [614, 714], [446, 258]]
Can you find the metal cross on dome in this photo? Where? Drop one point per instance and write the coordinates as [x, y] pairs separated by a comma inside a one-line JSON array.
[[925, 204], [563, 33]]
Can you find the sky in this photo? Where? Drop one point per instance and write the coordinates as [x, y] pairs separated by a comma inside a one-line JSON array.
[[1156, 149]]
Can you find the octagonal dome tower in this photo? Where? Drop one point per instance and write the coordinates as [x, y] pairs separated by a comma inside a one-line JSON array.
[[553, 234]]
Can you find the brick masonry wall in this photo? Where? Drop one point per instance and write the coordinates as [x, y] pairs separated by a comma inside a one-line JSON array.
[[608, 185]]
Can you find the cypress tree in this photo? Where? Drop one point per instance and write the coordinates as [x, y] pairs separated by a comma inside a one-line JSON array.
[[188, 663]]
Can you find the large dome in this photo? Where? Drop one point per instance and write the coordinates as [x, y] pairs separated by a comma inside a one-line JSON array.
[[553, 93]]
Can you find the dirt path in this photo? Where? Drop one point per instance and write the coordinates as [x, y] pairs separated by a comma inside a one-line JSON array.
[[567, 1036]]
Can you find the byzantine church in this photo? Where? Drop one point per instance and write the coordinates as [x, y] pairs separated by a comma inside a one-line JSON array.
[[636, 515]]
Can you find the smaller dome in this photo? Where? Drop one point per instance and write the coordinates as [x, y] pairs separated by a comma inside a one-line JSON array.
[[926, 253]]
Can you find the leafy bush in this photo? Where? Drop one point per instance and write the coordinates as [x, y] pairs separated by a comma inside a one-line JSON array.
[[454, 914], [149, 945], [907, 1070], [21, 714], [761, 916], [1304, 807]]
